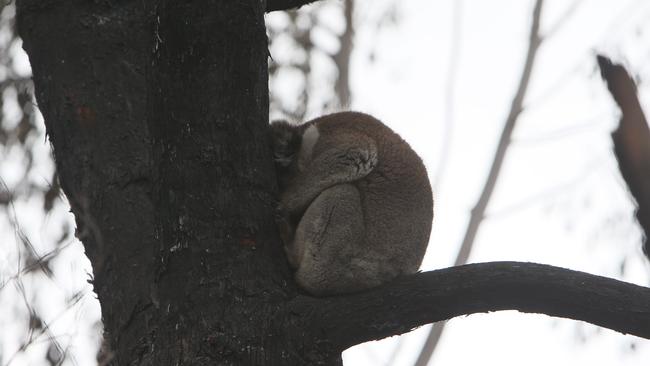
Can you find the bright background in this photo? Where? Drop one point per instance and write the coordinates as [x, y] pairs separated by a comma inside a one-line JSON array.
[[559, 200]]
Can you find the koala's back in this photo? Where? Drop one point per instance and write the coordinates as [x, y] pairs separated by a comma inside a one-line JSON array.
[[396, 195]]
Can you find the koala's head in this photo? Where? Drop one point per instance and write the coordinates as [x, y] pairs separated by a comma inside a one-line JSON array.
[[286, 139]]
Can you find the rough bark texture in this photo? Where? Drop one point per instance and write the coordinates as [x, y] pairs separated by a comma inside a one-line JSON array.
[[631, 141], [433, 296], [157, 112]]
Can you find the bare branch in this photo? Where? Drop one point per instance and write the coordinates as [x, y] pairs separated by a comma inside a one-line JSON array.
[[428, 297], [273, 5], [631, 140], [431, 342], [19, 82], [564, 18], [342, 57], [478, 212], [450, 93], [504, 141]]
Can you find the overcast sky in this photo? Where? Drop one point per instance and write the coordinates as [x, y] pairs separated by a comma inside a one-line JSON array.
[[559, 200]]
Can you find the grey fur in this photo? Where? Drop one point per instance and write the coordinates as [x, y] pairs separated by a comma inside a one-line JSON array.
[[356, 205]]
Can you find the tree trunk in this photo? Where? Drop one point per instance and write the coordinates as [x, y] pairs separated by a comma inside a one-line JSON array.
[[158, 112], [158, 115]]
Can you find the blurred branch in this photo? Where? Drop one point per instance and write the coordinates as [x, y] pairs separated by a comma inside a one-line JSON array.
[[452, 72], [478, 212], [39, 327], [570, 129], [566, 187], [342, 57], [273, 5], [33, 258], [422, 298], [564, 18], [631, 140], [395, 352], [20, 81], [44, 259], [626, 16], [301, 34]]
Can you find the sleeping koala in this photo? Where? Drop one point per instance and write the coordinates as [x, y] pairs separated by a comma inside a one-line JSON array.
[[356, 205]]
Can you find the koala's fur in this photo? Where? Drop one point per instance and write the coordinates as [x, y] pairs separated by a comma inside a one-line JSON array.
[[356, 205]]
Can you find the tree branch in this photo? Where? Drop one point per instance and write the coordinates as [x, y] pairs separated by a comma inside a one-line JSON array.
[[342, 57], [516, 107], [631, 140], [478, 212], [273, 5], [427, 297]]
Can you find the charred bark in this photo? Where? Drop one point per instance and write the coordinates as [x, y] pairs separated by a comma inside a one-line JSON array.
[[433, 296], [631, 141], [273, 5], [157, 112]]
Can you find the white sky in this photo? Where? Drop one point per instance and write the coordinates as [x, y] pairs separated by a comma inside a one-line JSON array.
[[559, 199]]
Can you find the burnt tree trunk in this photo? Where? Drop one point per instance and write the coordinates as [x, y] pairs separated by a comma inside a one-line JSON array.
[[158, 115], [157, 112]]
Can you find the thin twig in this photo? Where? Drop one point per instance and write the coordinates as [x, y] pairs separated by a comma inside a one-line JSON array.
[[478, 212], [342, 57], [563, 19], [623, 17], [565, 187], [450, 93]]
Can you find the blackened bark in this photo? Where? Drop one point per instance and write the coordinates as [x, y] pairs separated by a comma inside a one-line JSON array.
[[90, 77], [158, 112], [273, 5], [631, 141], [433, 296]]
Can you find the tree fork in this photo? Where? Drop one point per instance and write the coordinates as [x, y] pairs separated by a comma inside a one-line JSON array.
[[157, 112]]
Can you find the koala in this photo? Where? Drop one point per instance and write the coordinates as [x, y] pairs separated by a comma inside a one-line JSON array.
[[356, 205]]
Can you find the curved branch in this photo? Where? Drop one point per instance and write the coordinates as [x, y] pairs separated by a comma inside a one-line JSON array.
[[516, 107], [273, 5], [478, 212], [428, 297]]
